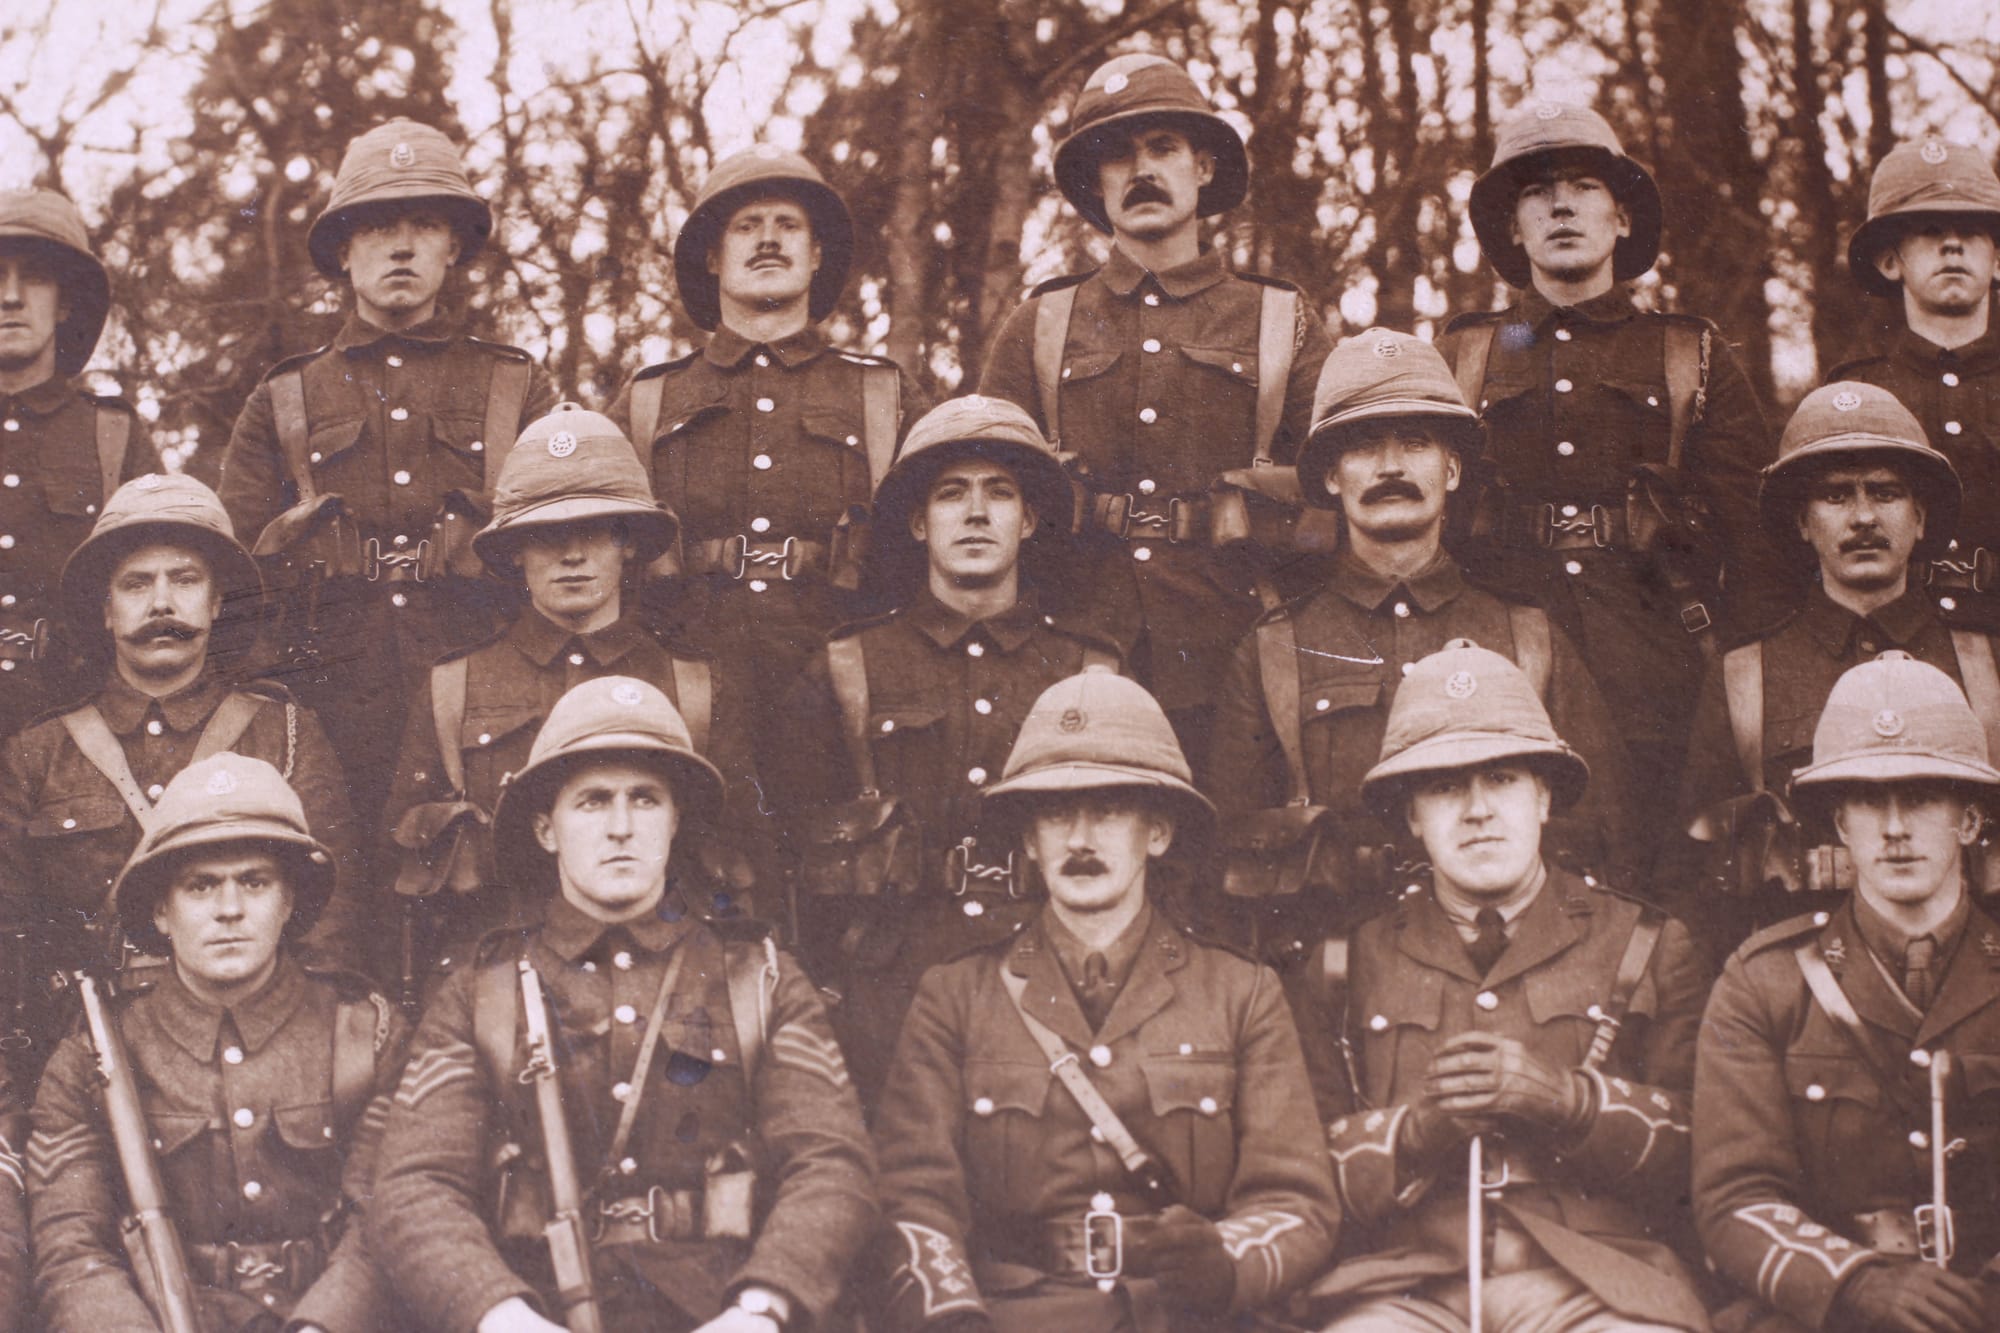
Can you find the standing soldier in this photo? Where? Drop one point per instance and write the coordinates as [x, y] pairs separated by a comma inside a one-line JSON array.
[[571, 515], [62, 451], [900, 719], [1307, 694], [255, 1079], [767, 442], [1933, 221], [147, 594], [673, 1140], [1158, 373], [1847, 1115], [361, 470], [1623, 447], [1517, 1040], [1101, 1124]]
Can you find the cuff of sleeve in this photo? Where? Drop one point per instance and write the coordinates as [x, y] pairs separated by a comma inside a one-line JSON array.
[[1800, 1265], [930, 1278], [1367, 1166], [1255, 1244], [1628, 1125]]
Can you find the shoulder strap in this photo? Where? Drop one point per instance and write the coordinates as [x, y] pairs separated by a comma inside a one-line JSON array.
[[496, 1015], [1981, 679], [1534, 647], [354, 1027], [288, 410], [92, 736], [1094, 658], [848, 668], [448, 688], [750, 992], [1051, 337], [506, 396], [694, 688], [646, 395], [1743, 691], [114, 434], [881, 410], [1687, 348], [226, 724], [1278, 668], [1277, 332], [1632, 965], [1475, 349], [1825, 988]]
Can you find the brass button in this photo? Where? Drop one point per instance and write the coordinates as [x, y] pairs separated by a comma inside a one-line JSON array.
[[620, 1091], [154, 728], [399, 599], [1487, 1000], [394, 360], [627, 1165], [766, 405], [982, 706], [576, 659], [1572, 566], [975, 650], [760, 524], [402, 477], [1147, 485], [1564, 335], [1919, 1140], [1100, 1055], [1564, 386], [1948, 603], [1815, 1093], [399, 414], [1569, 511], [1953, 428], [1378, 1023], [154, 791], [232, 1055], [622, 961], [763, 360], [1565, 448], [625, 1013], [982, 1106], [253, 1190], [11, 480], [1402, 610], [1151, 298], [973, 907], [1143, 554], [762, 462], [1208, 1106], [758, 585], [244, 1117], [12, 424], [1148, 415], [1321, 705], [1921, 1058], [1950, 379], [975, 775], [1151, 345]]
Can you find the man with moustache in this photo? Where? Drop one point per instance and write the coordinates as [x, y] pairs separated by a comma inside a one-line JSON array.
[[1512, 1005], [1308, 692], [1102, 1124], [1928, 243], [1156, 374], [160, 575], [63, 451], [360, 470], [1622, 445], [1839, 1045], [935, 692], [263, 1084]]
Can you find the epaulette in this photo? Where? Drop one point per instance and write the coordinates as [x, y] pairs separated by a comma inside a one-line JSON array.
[[264, 688], [1841, 369], [987, 944], [1784, 932], [864, 358], [1265, 279], [113, 399], [1473, 318], [1052, 621], [1593, 882], [847, 629], [1188, 933], [506, 350], [297, 361], [348, 984], [500, 942], [1057, 284], [659, 368]]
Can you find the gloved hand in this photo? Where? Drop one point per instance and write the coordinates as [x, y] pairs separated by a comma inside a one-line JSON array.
[[1182, 1251], [1429, 1132], [1904, 1296], [1479, 1074]]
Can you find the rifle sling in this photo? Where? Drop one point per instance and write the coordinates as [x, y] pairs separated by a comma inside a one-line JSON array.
[[1277, 330], [114, 435], [1743, 692]]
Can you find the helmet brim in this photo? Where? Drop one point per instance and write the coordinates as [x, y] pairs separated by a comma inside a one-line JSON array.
[[1903, 766], [1494, 195], [654, 528], [1876, 235], [469, 217], [1006, 805], [1387, 784], [1782, 492], [1076, 165], [697, 786], [832, 228], [87, 573], [86, 295], [1461, 430], [142, 882]]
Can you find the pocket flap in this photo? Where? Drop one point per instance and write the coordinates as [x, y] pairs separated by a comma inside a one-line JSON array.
[[904, 717], [489, 724], [1273, 830], [849, 822], [1330, 699], [327, 442], [1982, 1073], [831, 425], [689, 415], [459, 432], [1238, 365], [1561, 992], [1206, 1086], [1006, 1085], [77, 814], [1417, 1004], [1500, 389], [1087, 365], [174, 1130], [307, 1126], [1823, 1078], [1648, 394]]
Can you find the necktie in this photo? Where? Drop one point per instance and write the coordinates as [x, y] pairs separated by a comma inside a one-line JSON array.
[[1491, 941], [1095, 995], [1918, 983]]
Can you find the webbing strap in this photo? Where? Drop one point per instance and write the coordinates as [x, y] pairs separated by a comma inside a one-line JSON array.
[[847, 667], [226, 725], [1278, 666], [1686, 355], [694, 688], [448, 688], [1534, 646], [353, 1059], [881, 409], [496, 1017], [114, 435], [93, 739], [1475, 349], [506, 398], [1825, 988], [628, 1115], [750, 992], [646, 396], [1981, 679], [1632, 965], [1277, 332], [1063, 1063], [1051, 337], [1743, 691], [288, 412]]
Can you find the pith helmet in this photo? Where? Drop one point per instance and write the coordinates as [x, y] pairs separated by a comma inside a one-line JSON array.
[[1845, 423], [738, 178], [971, 427], [170, 508], [44, 223], [1127, 93], [1380, 373], [612, 717], [569, 466], [1461, 707], [1920, 182], [1094, 731], [1546, 131], [391, 167], [226, 798], [1896, 719]]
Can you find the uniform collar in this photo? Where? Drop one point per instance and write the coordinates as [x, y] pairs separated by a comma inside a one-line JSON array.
[[39, 400], [1430, 587], [1982, 353], [124, 708], [1612, 307], [1836, 629], [1070, 951], [1123, 275], [727, 348], [539, 639], [947, 628], [1048, 996], [1463, 913], [1888, 942], [198, 1026], [358, 335], [571, 933]]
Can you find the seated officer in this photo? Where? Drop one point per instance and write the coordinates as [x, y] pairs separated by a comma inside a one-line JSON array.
[[728, 1179], [256, 1076], [938, 689], [164, 591], [1845, 1081], [1520, 1008], [1301, 712], [1101, 1124], [573, 516]]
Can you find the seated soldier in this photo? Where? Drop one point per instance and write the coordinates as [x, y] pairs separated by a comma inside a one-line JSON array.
[[1101, 1124], [1846, 1114], [263, 1084], [1517, 1020], [726, 1178], [573, 517]]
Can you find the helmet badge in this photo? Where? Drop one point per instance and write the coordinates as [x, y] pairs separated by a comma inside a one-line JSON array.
[[1889, 724], [1072, 720], [1388, 349], [403, 156], [149, 482], [1846, 401], [627, 694], [1116, 83], [1461, 685], [221, 782], [562, 444], [1933, 152], [1548, 111]]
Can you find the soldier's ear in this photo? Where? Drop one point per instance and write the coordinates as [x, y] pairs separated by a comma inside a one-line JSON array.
[[919, 526], [815, 256], [1204, 166], [1454, 468], [457, 249], [340, 252], [1889, 261], [545, 834], [1971, 822], [160, 918], [1624, 220], [1159, 834]]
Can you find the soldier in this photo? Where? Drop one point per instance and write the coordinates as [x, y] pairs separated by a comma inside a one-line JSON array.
[[1847, 1119], [1101, 1124], [1307, 694], [938, 689], [1515, 1020], [70, 448], [263, 1083], [1622, 446], [1159, 372], [1857, 483], [159, 579], [361, 470], [738, 1182], [1933, 221], [573, 512], [767, 442]]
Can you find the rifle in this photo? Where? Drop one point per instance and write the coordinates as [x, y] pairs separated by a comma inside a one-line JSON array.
[[149, 1228], [569, 1245], [1937, 1238]]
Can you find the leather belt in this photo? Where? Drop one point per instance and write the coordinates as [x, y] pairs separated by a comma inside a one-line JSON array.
[[263, 1270], [1089, 1246], [1890, 1231], [1180, 519], [647, 1219], [1978, 573], [741, 557]]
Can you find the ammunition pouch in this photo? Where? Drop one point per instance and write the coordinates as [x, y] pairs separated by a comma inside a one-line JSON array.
[[24, 635], [1679, 530], [314, 536], [1275, 853], [1890, 1231], [1266, 506], [1755, 843], [728, 1194], [848, 550], [864, 847], [719, 866], [447, 551], [442, 846]]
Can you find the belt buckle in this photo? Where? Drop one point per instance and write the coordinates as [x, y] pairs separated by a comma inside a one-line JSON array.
[[966, 870], [1137, 517], [1984, 565], [1695, 617], [1103, 1227], [399, 565], [649, 1210], [35, 640], [1490, 1181], [1600, 527], [745, 557], [1937, 1237], [1178, 505], [245, 1267]]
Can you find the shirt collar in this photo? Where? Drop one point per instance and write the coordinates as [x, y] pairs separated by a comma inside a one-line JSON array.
[[1119, 955], [39, 400], [1430, 587], [197, 1026], [1612, 307], [358, 335], [1835, 628], [1887, 941], [946, 627], [124, 708], [1463, 913], [572, 933], [1981, 353], [539, 639], [727, 348], [1123, 274]]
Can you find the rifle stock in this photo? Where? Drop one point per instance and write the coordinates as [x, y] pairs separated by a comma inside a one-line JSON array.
[[569, 1245]]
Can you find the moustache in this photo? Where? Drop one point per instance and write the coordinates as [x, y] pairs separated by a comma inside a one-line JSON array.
[[1146, 192], [1082, 864], [1869, 543], [1392, 490], [164, 629]]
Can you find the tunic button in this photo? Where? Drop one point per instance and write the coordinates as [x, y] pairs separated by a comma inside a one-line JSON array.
[[1152, 298], [975, 650], [888, 725], [973, 907], [1820, 918], [762, 462], [1147, 485], [1569, 511], [244, 1117], [1151, 344], [1378, 1023], [1815, 1093], [69, 823], [486, 738], [1149, 416], [1187, 1048], [1487, 1000], [1408, 667], [1402, 610], [627, 1165], [576, 659], [1321, 705], [154, 791], [252, 1190], [1652, 400], [620, 1091], [982, 706], [395, 361], [12, 424], [1208, 1106], [1919, 1140], [1950, 379], [1101, 1056], [1096, 1134], [399, 600], [402, 477], [1953, 428], [975, 775], [12, 479], [1563, 335], [622, 961], [758, 585], [1564, 386], [1921, 1058], [7, 599], [1236, 367], [760, 524], [153, 728], [763, 360], [1948, 603], [982, 1106], [625, 1013], [399, 414], [6, 541], [1143, 554], [719, 1056], [232, 1055], [317, 455], [477, 446], [1572, 566], [1565, 448], [766, 405]]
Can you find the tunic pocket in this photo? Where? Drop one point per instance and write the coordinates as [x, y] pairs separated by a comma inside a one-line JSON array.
[[1005, 1146], [1193, 1098]]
